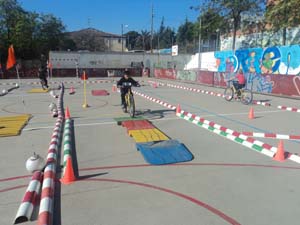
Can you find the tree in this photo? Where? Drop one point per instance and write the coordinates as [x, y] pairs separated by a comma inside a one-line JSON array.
[[67, 44], [132, 37], [283, 14], [231, 11], [144, 41], [164, 37], [186, 36], [9, 11], [49, 33], [23, 35], [30, 33]]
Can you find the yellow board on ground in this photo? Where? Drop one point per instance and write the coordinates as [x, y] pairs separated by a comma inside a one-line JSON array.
[[147, 135], [12, 125], [38, 90]]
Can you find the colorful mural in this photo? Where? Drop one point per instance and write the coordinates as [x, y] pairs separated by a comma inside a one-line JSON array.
[[273, 70], [186, 75], [283, 60]]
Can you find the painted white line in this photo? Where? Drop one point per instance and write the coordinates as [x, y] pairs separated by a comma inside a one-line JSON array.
[[95, 124]]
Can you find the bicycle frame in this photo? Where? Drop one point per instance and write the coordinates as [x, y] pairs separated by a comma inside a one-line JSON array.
[[245, 94], [129, 100]]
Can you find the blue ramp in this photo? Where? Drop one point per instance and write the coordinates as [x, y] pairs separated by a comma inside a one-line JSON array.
[[164, 152]]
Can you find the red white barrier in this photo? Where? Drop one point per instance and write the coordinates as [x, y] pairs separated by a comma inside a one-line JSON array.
[[30, 199], [247, 141], [288, 108], [270, 135], [155, 100], [47, 198], [261, 103]]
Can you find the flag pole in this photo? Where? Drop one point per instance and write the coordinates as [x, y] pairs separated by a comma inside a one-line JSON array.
[[85, 105], [18, 75]]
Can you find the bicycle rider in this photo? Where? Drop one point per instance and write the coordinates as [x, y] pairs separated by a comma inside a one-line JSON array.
[[124, 89], [239, 81], [43, 71]]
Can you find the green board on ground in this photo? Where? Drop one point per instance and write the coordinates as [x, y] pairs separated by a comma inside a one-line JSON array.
[[121, 119]]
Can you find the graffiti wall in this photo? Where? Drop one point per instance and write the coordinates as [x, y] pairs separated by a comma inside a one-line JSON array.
[[165, 73], [284, 60], [186, 75]]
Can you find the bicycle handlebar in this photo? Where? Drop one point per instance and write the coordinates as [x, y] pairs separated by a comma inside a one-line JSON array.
[[129, 84]]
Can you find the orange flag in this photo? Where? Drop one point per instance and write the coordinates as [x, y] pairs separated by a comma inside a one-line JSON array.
[[11, 59]]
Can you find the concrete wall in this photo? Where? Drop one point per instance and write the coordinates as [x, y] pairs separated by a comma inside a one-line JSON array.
[[260, 83], [91, 60]]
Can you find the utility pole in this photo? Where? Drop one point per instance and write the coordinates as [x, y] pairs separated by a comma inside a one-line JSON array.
[[151, 41], [200, 27], [122, 37]]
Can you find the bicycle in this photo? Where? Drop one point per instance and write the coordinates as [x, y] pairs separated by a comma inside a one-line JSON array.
[[129, 99], [244, 94]]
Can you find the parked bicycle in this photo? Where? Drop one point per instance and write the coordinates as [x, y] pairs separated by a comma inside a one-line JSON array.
[[244, 94]]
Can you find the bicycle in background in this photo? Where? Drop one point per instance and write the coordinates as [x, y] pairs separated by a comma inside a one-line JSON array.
[[244, 94]]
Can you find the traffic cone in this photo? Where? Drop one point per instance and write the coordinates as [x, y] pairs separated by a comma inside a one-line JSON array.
[[69, 176], [279, 156], [251, 113], [67, 114], [178, 109], [72, 90]]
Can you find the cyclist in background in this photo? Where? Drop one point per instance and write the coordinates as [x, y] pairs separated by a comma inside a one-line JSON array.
[[239, 81], [122, 84], [43, 72]]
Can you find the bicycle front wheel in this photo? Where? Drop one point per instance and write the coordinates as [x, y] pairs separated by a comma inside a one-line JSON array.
[[131, 109], [228, 94], [246, 96]]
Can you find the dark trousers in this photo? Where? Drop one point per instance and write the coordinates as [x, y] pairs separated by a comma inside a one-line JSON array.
[[123, 93], [238, 86], [44, 79]]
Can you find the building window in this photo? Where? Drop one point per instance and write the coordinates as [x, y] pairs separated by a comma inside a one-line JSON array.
[[119, 40]]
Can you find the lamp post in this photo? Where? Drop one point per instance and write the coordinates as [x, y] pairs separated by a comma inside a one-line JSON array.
[[199, 41]]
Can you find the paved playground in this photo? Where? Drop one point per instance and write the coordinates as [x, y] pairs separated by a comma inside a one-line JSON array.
[[229, 180]]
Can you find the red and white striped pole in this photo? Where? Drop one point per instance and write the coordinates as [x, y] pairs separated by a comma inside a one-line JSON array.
[[30, 199], [48, 188]]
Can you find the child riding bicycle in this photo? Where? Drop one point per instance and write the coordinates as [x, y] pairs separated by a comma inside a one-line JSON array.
[[122, 84], [238, 81]]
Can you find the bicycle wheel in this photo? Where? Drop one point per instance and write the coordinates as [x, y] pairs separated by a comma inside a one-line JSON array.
[[131, 108], [127, 102], [246, 96], [228, 94]]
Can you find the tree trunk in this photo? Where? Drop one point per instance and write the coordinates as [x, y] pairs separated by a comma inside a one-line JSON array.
[[284, 36], [234, 38]]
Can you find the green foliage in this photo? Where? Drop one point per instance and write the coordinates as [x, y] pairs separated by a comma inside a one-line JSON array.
[[132, 39], [283, 14], [231, 11], [30, 33], [164, 37]]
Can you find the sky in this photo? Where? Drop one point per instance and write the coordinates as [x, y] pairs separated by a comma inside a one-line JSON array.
[[109, 15]]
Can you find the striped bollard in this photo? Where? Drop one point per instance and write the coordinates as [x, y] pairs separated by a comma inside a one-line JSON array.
[[67, 146]]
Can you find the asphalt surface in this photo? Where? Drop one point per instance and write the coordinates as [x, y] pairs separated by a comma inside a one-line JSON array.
[[225, 183]]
